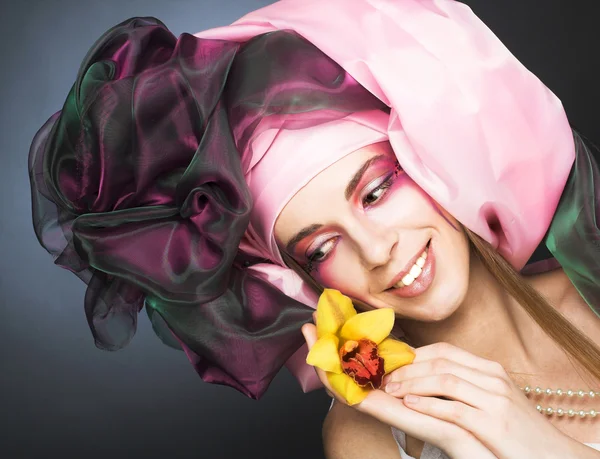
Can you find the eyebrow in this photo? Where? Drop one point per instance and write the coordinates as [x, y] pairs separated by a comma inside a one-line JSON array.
[[353, 184], [305, 232], [350, 189]]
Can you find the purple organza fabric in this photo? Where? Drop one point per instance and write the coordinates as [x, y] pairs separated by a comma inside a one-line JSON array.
[[138, 188]]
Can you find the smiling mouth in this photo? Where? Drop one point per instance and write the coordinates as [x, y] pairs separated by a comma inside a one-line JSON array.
[[408, 276]]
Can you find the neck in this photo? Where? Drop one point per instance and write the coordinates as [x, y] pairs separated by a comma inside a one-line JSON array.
[[488, 323]]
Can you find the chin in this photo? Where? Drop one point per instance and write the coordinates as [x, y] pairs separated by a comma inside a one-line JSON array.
[[441, 313], [439, 306]]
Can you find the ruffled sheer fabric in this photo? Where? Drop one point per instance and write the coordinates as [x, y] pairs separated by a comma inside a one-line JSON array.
[[573, 237], [138, 188]]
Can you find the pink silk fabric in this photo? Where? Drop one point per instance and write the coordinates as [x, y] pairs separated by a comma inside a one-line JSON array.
[[282, 161], [469, 123]]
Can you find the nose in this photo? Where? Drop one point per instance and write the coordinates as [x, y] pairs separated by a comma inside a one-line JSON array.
[[374, 242]]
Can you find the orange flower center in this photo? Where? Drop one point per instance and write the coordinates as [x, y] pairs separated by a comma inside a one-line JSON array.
[[361, 362]]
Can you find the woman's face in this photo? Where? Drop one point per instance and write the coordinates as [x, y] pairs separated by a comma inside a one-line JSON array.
[[362, 224]]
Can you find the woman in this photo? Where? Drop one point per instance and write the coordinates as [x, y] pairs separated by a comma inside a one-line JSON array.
[[190, 175], [454, 299]]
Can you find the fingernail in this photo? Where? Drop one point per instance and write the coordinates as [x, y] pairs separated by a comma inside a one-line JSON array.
[[393, 387], [411, 398]]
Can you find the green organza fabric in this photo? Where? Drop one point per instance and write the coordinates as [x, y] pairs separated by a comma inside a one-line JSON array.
[[573, 237], [137, 188]]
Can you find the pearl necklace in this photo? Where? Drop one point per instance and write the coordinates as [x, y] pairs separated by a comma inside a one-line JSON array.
[[559, 392]]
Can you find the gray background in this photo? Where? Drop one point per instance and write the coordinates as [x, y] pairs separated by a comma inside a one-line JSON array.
[[62, 397]]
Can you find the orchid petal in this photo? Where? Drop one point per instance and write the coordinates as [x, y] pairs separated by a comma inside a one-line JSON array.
[[325, 355], [375, 325], [345, 386], [395, 354], [333, 310]]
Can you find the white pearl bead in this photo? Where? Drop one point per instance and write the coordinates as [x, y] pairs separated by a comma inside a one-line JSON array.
[[569, 393]]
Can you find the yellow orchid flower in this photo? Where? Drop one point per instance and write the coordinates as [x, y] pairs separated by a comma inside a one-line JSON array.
[[354, 349]]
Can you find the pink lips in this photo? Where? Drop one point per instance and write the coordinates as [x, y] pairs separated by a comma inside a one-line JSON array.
[[406, 269], [421, 283]]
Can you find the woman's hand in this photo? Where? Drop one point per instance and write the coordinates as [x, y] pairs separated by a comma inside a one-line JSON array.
[[485, 414], [455, 441], [481, 399]]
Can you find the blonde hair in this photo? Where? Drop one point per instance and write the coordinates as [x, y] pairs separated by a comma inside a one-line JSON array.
[[552, 322]]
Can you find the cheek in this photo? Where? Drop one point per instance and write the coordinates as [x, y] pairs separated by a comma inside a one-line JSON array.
[[342, 272], [453, 265]]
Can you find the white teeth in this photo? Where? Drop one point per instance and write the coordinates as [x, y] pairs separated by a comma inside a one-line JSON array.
[[408, 279], [415, 271]]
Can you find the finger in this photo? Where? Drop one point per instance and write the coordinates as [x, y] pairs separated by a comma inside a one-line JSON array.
[[452, 439], [451, 352], [390, 377], [442, 366], [309, 331], [446, 385], [468, 418], [457, 413]]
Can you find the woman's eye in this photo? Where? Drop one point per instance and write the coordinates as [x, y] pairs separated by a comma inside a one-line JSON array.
[[373, 195], [377, 193], [321, 252], [317, 255]]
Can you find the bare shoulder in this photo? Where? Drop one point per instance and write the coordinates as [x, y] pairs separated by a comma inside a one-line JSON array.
[[350, 434]]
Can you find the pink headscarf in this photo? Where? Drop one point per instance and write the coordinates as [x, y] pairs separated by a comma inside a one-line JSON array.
[[285, 160], [469, 123]]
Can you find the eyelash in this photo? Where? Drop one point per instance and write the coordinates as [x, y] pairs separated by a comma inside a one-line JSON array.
[[385, 185], [312, 259]]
